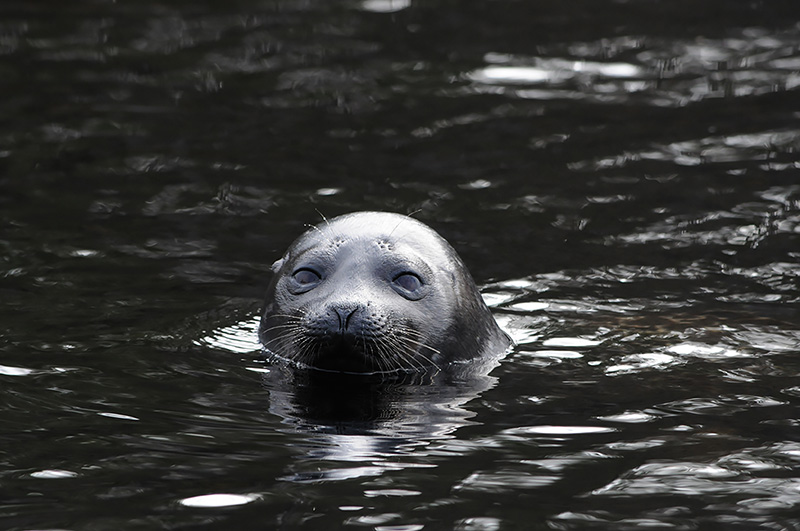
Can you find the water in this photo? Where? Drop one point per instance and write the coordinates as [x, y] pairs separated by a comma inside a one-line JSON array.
[[621, 177]]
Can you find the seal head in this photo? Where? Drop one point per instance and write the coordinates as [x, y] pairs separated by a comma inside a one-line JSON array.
[[375, 292]]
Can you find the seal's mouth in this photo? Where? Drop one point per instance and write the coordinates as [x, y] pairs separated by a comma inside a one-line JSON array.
[[343, 353], [349, 361], [347, 353]]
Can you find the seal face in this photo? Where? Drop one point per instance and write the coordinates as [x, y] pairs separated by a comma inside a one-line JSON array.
[[375, 292]]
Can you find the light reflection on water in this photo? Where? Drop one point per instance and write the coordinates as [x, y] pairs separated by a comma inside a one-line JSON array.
[[666, 73]]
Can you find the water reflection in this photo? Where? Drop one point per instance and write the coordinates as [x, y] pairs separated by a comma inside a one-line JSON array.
[[6, 370], [664, 73], [551, 71], [219, 500], [385, 6], [356, 420]]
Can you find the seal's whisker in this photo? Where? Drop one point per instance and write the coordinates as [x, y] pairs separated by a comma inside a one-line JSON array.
[[278, 327], [303, 352], [404, 352], [327, 238], [407, 361], [322, 216], [428, 359], [301, 311], [389, 356], [383, 354], [384, 357], [300, 346], [423, 345], [306, 354], [378, 356], [407, 352], [411, 334]]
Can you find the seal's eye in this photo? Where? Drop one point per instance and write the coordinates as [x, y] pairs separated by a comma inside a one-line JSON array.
[[408, 281], [305, 277], [304, 280]]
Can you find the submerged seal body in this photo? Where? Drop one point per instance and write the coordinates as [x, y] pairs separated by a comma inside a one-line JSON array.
[[375, 292]]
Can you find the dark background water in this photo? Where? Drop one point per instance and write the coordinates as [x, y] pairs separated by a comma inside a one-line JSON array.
[[621, 177]]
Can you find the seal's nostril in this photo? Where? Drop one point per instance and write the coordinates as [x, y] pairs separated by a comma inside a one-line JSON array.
[[347, 321]]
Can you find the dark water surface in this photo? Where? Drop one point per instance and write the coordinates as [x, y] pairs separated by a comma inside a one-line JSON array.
[[621, 177]]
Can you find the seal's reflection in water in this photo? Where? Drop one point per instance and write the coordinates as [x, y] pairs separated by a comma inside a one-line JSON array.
[[366, 419]]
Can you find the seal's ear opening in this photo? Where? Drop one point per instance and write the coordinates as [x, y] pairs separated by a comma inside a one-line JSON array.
[[277, 265]]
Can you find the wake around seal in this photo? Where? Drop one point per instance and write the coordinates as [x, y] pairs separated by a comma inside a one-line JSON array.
[[375, 292]]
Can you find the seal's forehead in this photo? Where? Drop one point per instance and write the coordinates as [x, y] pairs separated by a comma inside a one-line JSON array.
[[390, 232]]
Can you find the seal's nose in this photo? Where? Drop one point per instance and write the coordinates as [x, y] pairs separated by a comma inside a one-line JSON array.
[[344, 315]]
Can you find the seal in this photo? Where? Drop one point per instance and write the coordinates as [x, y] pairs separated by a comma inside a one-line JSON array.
[[375, 292]]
